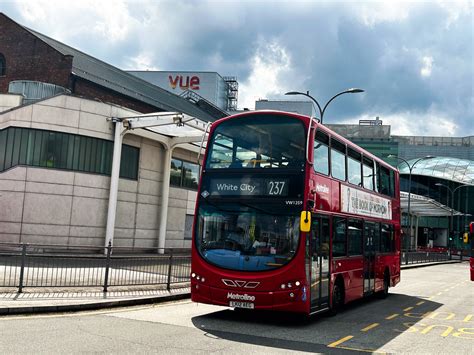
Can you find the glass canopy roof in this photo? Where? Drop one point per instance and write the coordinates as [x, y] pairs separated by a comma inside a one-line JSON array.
[[458, 170]]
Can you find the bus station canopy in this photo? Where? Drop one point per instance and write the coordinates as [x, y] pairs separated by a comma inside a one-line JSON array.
[[422, 206]]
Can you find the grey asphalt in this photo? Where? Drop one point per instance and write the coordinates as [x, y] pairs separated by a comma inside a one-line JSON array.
[[50, 301]]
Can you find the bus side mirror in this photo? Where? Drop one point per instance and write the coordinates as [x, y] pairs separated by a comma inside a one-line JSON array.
[[305, 221], [466, 238]]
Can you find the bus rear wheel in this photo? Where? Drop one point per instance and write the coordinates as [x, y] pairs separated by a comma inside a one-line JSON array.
[[386, 284], [337, 298]]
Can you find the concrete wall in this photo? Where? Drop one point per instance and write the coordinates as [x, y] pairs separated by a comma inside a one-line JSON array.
[[8, 101], [53, 206]]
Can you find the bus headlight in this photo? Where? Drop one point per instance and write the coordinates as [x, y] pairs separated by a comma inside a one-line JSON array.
[[297, 283], [283, 286]]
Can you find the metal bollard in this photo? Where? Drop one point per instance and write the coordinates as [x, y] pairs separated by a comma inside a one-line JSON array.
[[107, 266], [22, 269], [168, 284]]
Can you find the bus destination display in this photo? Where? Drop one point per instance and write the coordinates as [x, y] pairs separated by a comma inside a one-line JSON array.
[[249, 187]]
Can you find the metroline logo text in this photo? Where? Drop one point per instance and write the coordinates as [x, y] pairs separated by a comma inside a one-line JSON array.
[[322, 188], [236, 296]]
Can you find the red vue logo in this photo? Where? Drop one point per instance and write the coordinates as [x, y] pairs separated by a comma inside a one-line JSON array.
[[184, 82]]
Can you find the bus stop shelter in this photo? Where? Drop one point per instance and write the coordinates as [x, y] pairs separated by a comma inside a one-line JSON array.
[[421, 206], [170, 129]]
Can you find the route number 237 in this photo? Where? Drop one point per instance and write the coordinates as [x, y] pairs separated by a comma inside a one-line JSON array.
[[276, 188]]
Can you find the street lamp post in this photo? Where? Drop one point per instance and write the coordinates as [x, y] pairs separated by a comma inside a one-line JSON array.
[[451, 224], [321, 111], [410, 168]]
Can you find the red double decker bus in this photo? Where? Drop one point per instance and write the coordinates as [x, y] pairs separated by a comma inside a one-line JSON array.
[[290, 216]]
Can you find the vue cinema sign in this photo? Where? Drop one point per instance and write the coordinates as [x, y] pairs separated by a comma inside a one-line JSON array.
[[184, 82]]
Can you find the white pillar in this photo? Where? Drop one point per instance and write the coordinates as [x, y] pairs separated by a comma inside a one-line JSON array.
[[114, 181], [165, 192]]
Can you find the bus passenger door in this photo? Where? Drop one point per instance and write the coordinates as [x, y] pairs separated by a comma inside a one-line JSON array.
[[319, 255], [369, 258]]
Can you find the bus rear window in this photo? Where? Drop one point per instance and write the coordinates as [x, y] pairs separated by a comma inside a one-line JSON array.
[[259, 141]]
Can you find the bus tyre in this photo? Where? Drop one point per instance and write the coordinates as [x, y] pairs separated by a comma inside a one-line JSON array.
[[386, 284], [337, 298]]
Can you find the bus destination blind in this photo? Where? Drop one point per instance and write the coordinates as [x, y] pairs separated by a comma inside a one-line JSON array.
[[249, 187]]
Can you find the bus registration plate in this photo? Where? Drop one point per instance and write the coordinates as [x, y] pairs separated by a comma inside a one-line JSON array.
[[239, 304]]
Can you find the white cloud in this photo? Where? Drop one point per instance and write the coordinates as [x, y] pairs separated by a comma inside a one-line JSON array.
[[427, 66], [271, 61], [143, 61], [107, 19], [455, 9], [374, 12]]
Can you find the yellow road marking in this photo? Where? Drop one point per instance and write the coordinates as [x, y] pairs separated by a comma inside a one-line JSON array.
[[420, 303], [340, 341], [408, 309], [468, 318], [373, 325], [392, 316]]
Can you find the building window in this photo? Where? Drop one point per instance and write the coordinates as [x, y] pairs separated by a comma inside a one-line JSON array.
[[184, 174], [57, 150], [3, 65]]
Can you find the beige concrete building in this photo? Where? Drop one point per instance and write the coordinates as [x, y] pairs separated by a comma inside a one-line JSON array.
[[58, 193]]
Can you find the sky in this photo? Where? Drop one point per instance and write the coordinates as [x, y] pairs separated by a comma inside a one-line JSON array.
[[414, 59]]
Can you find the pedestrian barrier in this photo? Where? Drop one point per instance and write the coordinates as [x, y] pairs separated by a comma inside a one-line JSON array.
[[53, 266], [417, 257]]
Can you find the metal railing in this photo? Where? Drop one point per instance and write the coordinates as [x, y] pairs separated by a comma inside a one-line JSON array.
[[418, 257], [52, 266]]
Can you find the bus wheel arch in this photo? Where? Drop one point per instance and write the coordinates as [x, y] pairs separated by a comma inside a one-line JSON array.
[[386, 283], [338, 295]]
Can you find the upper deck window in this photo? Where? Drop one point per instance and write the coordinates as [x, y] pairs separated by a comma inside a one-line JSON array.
[[258, 141], [368, 170], [321, 153], [354, 167], [338, 160]]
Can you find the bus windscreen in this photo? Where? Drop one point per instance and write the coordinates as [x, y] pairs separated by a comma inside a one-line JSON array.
[[246, 238], [260, 141]]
